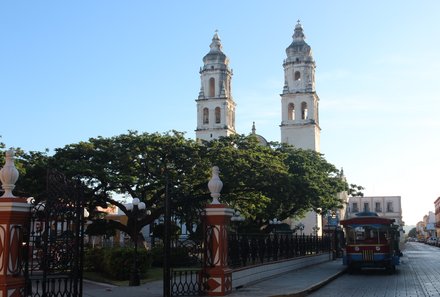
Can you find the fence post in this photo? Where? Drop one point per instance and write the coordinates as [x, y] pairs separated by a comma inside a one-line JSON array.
[[14, 218], [216, 218]]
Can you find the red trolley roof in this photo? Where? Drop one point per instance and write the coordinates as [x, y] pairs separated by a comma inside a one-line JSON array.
[[367, 219]]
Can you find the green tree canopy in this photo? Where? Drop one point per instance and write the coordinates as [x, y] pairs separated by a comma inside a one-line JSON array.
[[312, 183], [140, 165], [262, 182]]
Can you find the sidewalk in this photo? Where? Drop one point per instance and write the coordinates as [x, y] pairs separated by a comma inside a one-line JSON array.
[[295, 283]]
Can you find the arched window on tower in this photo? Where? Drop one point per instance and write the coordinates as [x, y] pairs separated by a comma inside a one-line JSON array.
[[304, 111], [211, 87], [217, 115], [291, 112], [297, 75], [205, 116]]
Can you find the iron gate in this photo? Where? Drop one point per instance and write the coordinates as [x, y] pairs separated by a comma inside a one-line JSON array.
[[186, 267], [54, 241]]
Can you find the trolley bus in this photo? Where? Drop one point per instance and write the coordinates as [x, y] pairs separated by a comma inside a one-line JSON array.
[[371, 241]]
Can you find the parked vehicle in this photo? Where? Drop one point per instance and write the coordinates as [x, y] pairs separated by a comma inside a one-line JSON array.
[[371, 241], [432, 241]]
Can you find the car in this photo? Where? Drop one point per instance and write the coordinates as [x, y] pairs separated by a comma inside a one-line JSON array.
[[431, 241]]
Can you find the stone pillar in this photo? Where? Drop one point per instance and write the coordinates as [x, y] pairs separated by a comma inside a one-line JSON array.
[[14, 218], [216, 217]]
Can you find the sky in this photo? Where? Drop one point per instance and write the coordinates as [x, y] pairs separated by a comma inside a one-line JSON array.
[[72, 70]]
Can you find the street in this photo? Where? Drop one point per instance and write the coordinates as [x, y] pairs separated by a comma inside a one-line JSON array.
[[418, 275]]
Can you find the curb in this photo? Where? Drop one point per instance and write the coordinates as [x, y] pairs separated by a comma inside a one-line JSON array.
[[313, 288]]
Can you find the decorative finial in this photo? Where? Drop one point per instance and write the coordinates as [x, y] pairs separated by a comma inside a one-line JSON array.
[[9, 175], [215, 44], [253, 128], [215, 185]]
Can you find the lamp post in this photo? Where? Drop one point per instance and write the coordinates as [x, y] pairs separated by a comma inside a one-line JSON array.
[[299, 227], [137, 210], [315, 230], [236, 218], [274, 223]]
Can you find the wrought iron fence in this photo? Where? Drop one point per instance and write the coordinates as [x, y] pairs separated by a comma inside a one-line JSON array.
[[251, 249], [186, 267]]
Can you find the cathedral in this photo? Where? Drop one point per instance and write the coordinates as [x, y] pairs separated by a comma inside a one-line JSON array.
[[299, 103]]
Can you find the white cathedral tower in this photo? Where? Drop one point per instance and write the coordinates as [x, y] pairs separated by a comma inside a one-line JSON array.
[[299, 101], [215, 105]]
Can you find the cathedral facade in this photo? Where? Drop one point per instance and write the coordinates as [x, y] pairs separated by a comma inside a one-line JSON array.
[[299, 104]]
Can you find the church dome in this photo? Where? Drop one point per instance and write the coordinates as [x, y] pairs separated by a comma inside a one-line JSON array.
[[215, 55], [261, 140]]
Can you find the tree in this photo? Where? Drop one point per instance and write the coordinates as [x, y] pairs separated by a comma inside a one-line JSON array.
[[32, 167], [277, 181], [356, 190], [412, 233], [312, 183], [251, 173], [138, 165], [262, 182]]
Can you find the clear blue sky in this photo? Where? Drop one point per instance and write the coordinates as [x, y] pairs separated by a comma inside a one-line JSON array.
[[71, 70]]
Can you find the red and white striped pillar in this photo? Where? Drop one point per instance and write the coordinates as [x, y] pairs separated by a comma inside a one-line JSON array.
[[217, 217], [14, 217]]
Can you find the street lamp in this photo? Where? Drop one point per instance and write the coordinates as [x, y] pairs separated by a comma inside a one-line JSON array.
[[137, 210], [274, 222], [315, 230], [237, 217], [299, 227]]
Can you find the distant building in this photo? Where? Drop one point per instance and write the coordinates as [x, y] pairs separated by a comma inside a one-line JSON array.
[[421, 230], [429, 222], [437, 216]]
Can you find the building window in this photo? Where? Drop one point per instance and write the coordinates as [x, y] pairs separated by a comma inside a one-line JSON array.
[[366, 207], [205, 116], [291, 112], [390, 207], [297, 75], [211, 87], [304, 111], [354, 207], [217, 115], [378, 207]]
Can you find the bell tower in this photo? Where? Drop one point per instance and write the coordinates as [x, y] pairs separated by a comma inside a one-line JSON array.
[[299, 101], [215, 105]]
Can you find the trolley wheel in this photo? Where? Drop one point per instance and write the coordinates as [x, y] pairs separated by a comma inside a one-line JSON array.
[[391, 268], [351, 268]]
